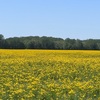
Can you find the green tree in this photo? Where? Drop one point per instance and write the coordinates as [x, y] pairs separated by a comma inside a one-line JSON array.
[[1, 41], [1, 37]]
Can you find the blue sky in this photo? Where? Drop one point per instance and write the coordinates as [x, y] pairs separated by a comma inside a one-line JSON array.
[[58, 18]]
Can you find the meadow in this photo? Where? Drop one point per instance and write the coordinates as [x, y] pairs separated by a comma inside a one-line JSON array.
[[49, 75]]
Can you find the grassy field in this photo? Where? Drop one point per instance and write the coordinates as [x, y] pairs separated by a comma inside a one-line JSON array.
[[49, 75]]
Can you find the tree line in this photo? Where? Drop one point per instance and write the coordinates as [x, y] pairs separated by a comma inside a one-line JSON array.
[[36, 42]]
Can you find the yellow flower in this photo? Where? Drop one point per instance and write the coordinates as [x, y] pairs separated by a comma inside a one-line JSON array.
[[18, 91], [71, 92]]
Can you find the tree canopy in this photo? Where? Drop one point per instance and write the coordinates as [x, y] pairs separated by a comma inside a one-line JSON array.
[[36, 42]]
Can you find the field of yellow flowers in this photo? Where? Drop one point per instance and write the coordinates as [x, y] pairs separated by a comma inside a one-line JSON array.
[[49, 75]]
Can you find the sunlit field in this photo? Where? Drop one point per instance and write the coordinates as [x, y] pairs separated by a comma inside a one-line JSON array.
[[49, 75]]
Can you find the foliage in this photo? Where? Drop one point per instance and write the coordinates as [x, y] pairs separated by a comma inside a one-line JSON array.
[[36, 42]]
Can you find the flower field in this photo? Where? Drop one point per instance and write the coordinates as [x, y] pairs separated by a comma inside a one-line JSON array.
[[49, 75]]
